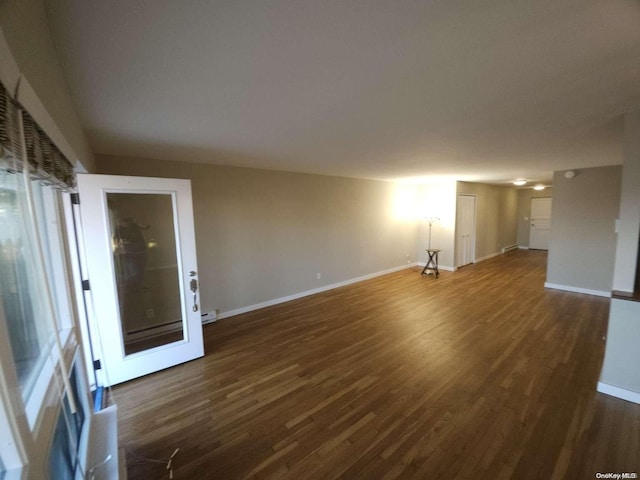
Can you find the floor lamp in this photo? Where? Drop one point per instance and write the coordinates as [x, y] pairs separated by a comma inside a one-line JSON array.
[[431, 221]]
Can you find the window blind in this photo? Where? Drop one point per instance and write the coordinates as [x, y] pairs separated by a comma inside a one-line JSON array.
[[10, 150], [46, 162]]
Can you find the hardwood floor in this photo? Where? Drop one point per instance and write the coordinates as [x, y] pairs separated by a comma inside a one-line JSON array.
[[482, 373]]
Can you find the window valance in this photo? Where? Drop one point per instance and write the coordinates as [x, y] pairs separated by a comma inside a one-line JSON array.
[[10, 155], [46, 162]]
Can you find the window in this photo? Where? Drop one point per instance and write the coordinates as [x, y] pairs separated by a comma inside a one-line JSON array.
[[61, 461], [64, 459], [22, 304], [43, 408]]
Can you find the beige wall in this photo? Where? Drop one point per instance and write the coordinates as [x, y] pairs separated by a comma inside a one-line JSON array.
[[620, 375], [583, 238], [627, 241], [496, 217], [25, 29], [508, 224], [524, 211], [263, 235], [620, 365], [437, 199]]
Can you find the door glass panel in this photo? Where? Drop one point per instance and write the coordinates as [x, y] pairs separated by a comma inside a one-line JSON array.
[[142, 231]]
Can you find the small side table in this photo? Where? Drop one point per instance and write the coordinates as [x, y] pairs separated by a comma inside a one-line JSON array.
[[432, 264]]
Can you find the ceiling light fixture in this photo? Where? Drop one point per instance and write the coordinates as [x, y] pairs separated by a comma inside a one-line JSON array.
[[519, 182], [539, 187]]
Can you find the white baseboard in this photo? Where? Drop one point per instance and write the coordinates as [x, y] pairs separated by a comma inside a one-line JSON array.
[[618, 392], [446, 268], [587, 291], [487, 257], [509, 248], [522, 247], [295, 296]]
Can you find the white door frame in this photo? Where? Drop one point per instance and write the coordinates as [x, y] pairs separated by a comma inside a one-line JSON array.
[[82, 298]]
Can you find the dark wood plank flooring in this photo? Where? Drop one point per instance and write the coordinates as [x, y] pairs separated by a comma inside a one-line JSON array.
[[482, 373]]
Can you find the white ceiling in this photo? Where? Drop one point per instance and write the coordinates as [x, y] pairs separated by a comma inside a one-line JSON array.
[[479, 90]]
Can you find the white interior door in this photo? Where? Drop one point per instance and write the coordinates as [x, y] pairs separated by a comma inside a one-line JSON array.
[[540, 229], [465, 230], [142, 267]]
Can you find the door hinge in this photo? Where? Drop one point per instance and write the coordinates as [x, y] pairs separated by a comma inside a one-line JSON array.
[[97, 365], [75, 198], [85, 285]]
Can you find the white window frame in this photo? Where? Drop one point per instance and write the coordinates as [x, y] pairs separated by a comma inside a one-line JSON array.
[[82, 300], [24, 453], [31, 423]]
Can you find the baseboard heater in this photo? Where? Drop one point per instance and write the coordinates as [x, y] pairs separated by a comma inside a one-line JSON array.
[[144, 333], [509, 248]]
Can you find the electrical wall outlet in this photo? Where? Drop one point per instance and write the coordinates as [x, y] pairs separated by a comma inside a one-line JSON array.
[[150, 313], [209, 317], [318, 276]]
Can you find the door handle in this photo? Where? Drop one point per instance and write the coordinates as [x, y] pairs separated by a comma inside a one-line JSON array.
[[194, 290]]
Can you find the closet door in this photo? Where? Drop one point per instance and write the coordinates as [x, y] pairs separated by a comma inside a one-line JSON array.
[[465, 230]]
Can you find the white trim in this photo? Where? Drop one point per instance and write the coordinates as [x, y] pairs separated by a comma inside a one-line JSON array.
[[295, 296], [587, 291], [523, 247], [618, 392], [52, 313], [487, 257], [508, 248], [76, 264], [446, 268]]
